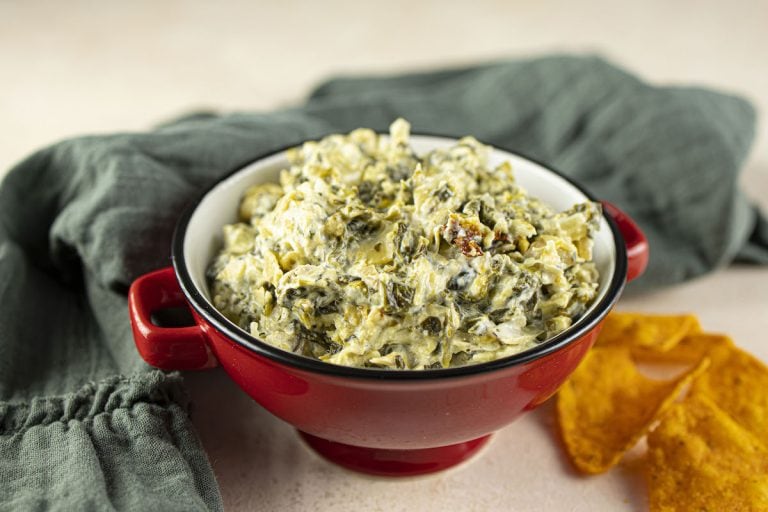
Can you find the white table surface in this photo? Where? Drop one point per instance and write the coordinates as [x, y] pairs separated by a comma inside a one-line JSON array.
[[68, 68]]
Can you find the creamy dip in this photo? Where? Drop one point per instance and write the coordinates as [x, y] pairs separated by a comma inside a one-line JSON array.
[[367, 254]]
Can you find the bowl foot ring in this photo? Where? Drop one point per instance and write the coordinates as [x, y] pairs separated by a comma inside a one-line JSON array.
[[383, 462]]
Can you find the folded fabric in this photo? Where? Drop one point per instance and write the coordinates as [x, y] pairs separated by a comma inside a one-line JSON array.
[[85, 425], [122, 444]]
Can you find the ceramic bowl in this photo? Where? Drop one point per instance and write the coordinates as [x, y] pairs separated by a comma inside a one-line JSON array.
[[386, 422]]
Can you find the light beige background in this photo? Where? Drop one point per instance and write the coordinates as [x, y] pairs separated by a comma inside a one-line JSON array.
[[68, 68]]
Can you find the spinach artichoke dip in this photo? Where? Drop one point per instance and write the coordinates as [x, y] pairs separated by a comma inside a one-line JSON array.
[[369, 255]]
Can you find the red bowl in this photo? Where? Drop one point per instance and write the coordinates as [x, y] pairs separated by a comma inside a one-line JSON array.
[[385, 422]]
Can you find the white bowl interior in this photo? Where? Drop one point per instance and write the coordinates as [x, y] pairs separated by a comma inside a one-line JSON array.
[[203, 237]]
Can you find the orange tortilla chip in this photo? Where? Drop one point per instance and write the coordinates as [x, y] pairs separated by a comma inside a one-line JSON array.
[[700, 459], [738, 384], [657, 332], [691, 349], [607, 405]]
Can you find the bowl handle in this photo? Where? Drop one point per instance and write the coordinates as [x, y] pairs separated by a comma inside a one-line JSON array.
[[168, 348], [637, 245]]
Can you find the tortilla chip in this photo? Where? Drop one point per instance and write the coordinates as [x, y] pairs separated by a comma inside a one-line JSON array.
[[657, 332], [738, 384], [691, 349], [607, 405], [700, 459]]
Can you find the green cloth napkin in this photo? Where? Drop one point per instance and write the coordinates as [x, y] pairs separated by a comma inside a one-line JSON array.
[[85, 425]]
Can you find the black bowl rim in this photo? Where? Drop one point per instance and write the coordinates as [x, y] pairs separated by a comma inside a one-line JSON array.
[[206, 310]]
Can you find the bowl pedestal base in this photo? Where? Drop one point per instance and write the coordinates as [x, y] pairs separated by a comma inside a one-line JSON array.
[[383, 462]]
